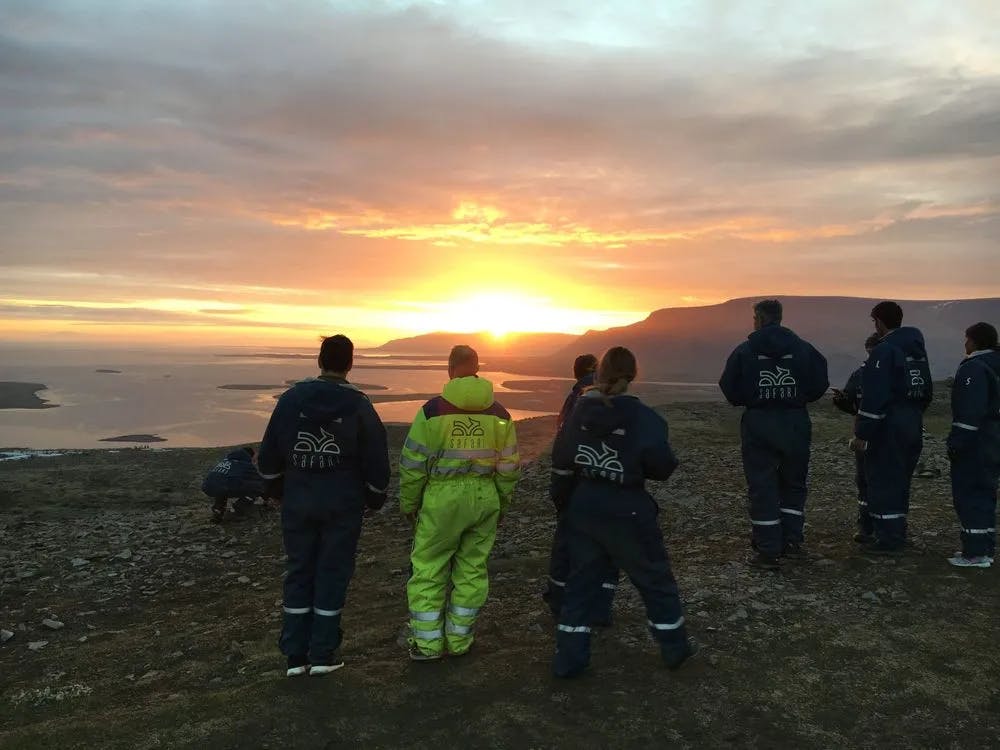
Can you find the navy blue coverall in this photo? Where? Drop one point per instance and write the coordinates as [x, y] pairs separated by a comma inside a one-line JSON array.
[[774, 374], [896, 390], [851, 403], [974, 449], [559, 564], [601, 461], [234, 476], [326, 440]]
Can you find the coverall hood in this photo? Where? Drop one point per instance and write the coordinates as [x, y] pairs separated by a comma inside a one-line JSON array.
[[773, 341], [910, 340], [240, 454], [471, 393], [597, 417], [322, 404], [992, 360]]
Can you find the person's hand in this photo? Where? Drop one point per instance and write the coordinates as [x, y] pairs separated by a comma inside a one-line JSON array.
[[858, 445], [838, 394]]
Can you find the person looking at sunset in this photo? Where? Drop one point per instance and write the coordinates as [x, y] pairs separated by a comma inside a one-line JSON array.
[[457, 474], [329, 446], [601, 460], [774, 374], [585, 371]]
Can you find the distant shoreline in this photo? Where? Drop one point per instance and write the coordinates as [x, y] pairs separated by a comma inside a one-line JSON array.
[[17, 395]]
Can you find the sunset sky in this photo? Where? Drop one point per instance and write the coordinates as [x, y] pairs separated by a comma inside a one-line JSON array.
[[259, 172]]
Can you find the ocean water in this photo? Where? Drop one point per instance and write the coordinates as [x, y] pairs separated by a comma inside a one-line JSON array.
[[175, 394]]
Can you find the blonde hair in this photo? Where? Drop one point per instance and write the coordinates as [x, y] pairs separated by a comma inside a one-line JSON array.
[[618, 368]]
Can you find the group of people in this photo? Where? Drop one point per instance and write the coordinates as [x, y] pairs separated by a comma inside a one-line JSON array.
[[460, 463]]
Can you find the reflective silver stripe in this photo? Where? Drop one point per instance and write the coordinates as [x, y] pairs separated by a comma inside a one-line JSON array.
[[965, 426], [375, 489], [792, 512], [272, 476], [416, 447], [870, 415], [889, 516], [611, 586], [297, 610], [448, 471], [463, 611], [564, 472], [457, 629], [571, 629], [979, 531], [507, 467], [428, 635], [776, 522], [327, 612], [509, 451], [862, 502], [462, 453], [665, 625], [554, 582], [425, 616], [411, 463]]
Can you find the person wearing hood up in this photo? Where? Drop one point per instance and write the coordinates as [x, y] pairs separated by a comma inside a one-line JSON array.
[[896, 390], [329, 446], [235, 477], [974, 446], [601, 460], [849, 401], [457, 474], [774, 374], [584, 369]]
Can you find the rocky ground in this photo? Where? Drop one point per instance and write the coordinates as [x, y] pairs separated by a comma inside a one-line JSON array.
[[130, 621]]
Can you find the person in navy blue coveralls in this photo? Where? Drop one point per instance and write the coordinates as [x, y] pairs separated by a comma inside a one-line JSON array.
[[601, 460], [235, 477], [584, 370], [849, 401], [774, 374], [329, 446], [896, 390], [974, 446]]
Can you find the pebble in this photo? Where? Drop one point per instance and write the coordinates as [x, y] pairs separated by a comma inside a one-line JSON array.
[[6, 635], [739, 614], [243, 579], [82, 639], [79, 562], [230, 553], [125, 554], [37, 645], [870, 596], [187, 584], [52, 624]]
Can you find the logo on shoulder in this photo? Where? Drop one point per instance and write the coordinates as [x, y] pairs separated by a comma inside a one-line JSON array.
[[222, 467], [603, 464]]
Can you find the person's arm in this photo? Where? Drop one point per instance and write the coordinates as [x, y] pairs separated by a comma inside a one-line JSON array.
[[731, 380], [876, 392], [819, 377], [272, 452], [413, 469], [847, 399], [563, 480], [970, 399], [658, 459], [374, 453], [508, 465]]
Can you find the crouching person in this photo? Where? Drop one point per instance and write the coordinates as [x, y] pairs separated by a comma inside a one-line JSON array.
[[329, 446], [601, 460], [457, 474], [236, 477]]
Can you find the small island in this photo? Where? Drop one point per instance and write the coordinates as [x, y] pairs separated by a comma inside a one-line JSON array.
[[248, 387], [16, 395], [114, 372], [134, 439]]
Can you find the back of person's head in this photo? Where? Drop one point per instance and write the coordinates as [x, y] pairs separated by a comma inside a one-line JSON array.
[[767, 312], [618, 368], [336, 354], [889, 314], [871, 342], [982, 335], [463, 361], [584, 365]]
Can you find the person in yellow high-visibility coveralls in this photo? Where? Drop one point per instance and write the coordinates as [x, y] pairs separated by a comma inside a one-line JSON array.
[[457, 471]]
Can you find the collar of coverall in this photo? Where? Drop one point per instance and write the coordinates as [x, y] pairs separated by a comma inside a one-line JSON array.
[[978, 352]]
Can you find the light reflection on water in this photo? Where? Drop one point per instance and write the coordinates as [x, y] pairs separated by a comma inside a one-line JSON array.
[[177, 397]]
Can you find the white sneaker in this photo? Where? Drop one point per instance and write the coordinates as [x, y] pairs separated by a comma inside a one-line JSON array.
[[958, 553], [324, 668], [961, 561], [297, 671]]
